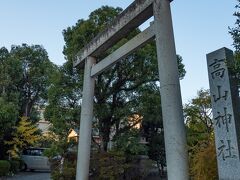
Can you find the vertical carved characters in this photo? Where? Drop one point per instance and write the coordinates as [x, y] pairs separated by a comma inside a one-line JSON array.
[[223, 120], [218, 69], [221, 94], [226, 150], [222, 91]]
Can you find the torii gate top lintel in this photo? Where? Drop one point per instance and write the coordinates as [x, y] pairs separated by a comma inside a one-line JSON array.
[[133, 16]]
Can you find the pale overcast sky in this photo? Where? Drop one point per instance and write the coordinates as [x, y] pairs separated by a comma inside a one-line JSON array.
[[199, 26]]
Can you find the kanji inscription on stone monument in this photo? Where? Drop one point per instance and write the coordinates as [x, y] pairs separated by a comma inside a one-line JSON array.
[[225, 105]]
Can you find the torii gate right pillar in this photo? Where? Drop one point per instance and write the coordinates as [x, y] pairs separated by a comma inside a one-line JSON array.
[[173, 122]]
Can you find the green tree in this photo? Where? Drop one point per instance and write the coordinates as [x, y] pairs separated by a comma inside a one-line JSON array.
[[24, 80], [152, 124], [235, 31], [200, 137], [9, 77], [63, 109], [34, 68], [198, 117], [156, 151], [4, 80], [8, 118], [150, 108], [116, 89], [128, 143], [26, 135], [9, 110]]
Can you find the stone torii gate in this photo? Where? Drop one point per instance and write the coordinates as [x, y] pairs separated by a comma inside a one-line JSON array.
[[162, 31]]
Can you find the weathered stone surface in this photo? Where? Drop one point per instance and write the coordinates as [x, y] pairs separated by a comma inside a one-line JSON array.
[[84, 144], [225, 104], [135, 43], [133, 16], [173, 122]]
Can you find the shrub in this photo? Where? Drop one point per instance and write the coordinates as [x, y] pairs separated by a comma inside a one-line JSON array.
[[104, 166], [203, 164], [115, 165], [4, 167], [21, 165], [68, 172], [14, 165]]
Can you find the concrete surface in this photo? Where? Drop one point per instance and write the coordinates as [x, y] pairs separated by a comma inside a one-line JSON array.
[[36, 175]]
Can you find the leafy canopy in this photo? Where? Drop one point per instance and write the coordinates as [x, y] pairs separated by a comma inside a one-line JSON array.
[[117, 89], [200, 137]]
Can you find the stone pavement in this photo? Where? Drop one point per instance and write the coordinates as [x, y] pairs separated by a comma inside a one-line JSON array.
[[36, 175]]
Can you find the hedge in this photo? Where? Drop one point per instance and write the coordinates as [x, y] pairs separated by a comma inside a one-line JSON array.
[[4, 167], [14, 165]]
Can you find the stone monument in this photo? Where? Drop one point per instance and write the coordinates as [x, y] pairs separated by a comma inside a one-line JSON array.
[[226, 113]]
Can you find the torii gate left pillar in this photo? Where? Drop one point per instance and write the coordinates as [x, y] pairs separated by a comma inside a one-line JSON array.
[[84, 144]]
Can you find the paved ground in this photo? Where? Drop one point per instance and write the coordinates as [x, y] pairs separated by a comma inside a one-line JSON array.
[[36, 175], [43, 175], [155, 178]]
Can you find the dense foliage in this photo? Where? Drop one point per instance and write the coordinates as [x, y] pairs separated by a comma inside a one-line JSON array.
[[200, 137], [4, 167], [116, 165], [203, 162], [128, 143], [24, 80], [198, 117], [235, 33], [25, 76], [118, 89], [64, 98], [24, 135]]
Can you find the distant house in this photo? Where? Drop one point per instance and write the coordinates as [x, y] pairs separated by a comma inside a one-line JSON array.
[[73, 135], [43, 124], [135, 122]]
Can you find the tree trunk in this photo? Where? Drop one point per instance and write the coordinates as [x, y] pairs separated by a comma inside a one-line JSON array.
[[105, 129], [105, 141], [162, 170], [159, 168]]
